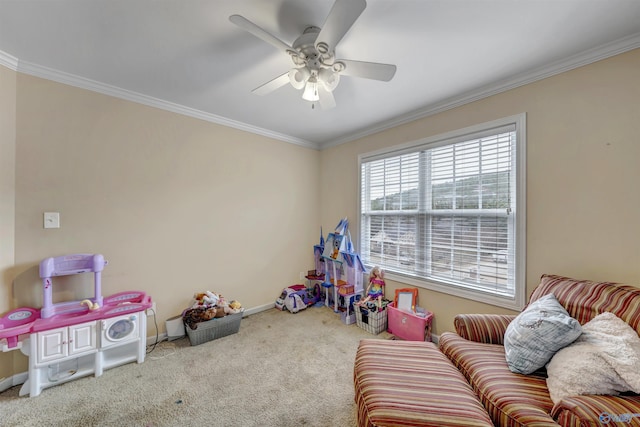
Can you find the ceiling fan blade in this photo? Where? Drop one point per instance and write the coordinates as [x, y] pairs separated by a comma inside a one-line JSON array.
[[272, 85], [252, 28], [327, 101], [368, 70], [340, 19]]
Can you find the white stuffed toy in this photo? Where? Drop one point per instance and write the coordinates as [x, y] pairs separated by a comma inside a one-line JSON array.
[[210, 298]]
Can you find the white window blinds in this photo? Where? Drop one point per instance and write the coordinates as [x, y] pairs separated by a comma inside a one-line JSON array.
[[445, 211]]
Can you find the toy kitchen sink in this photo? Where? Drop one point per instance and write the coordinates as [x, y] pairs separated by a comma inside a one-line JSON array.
[[72, 339]]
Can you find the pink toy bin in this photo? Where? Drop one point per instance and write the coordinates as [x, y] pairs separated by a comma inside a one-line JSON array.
[[409, 326]]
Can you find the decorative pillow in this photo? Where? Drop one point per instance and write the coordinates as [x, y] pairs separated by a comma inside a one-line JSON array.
[[603, 360], [537, 333]]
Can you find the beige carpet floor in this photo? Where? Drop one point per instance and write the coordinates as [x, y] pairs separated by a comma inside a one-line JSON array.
[[280, 369]]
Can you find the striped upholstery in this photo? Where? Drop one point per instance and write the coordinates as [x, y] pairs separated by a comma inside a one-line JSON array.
[[484, 328], [583, 411], [585, 299], [510, 399], [410, 383], [523, 400]]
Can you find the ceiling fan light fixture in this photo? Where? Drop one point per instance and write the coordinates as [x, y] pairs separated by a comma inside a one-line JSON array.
[[311, 90], [329, 79], [338, 66], [299, 76]]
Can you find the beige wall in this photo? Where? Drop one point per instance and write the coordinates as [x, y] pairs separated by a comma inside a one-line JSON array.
[[7, 199], [583, 149], [177, 205]]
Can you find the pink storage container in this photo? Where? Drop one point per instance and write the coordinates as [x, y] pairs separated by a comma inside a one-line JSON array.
[[408, 326]]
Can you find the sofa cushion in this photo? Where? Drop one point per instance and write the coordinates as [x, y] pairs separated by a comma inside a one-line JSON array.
[[608, 349], [537, 333], [512, 400], [411, 383]]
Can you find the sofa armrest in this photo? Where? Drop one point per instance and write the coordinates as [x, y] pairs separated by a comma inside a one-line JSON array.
[[592, 410], [483, 328]]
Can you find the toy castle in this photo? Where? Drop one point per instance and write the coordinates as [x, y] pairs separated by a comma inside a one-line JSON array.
[[340, 266]]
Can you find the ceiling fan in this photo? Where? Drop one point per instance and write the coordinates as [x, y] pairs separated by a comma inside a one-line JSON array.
[[315, 68]]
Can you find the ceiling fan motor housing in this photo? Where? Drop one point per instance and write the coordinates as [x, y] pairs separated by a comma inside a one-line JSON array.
[[309, 55]]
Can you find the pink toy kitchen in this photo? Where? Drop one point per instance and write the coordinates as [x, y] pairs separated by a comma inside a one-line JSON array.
[[72, 339]]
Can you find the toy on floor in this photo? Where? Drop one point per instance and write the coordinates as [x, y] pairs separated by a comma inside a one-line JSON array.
[[206, 298], [193, 316], [92, 335], [375, 290], [209, 305], [211, 300], [297, 297]]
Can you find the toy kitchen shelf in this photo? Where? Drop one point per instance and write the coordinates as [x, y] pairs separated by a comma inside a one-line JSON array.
[[73, 339]]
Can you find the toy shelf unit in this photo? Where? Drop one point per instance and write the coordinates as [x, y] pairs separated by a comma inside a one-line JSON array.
[[59, 355], [72, 339]]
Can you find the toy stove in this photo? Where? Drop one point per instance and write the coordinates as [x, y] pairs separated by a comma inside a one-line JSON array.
[[90, 335]]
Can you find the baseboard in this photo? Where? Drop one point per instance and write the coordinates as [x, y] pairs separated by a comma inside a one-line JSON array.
[[151, 340], [13, 381], [258, 309]]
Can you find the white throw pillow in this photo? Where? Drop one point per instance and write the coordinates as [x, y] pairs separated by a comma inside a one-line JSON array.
[[537, 333], [605, 359]]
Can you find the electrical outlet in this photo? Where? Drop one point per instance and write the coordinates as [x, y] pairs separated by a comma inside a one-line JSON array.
[[152, 310], [302, 274]]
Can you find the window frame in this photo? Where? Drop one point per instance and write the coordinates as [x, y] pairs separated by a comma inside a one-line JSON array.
[[515, 302]]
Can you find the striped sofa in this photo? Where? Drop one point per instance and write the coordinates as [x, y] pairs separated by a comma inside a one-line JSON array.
[[523, 400]]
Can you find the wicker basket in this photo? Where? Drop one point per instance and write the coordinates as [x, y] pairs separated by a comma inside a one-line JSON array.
[[372, 321], [214, 329]]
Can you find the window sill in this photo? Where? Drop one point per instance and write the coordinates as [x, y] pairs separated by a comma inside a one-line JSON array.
[[515, 303]]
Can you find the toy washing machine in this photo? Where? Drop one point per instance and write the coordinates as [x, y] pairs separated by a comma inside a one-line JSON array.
[[120, 329]]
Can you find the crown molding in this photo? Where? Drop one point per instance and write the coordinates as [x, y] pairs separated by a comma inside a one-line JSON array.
[[105, 89], [9, 61], [587, 57], [575, 61]]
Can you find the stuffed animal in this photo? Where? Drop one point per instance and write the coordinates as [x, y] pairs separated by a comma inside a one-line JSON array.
[[216, 302], [211, 298], [206, 299], [196, 315], [198, 299], [232, 307]]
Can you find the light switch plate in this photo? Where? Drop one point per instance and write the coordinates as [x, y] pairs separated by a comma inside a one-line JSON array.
[[52, 220]]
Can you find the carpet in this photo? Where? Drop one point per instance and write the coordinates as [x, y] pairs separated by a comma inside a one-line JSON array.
[[280, 369]]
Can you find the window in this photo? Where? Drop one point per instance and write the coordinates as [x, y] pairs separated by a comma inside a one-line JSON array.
[[448, 213]]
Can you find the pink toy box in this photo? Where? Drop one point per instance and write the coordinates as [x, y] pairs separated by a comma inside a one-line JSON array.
[[409, 326]]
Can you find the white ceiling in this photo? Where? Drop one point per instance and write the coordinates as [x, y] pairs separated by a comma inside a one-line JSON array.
[[185, 55]]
